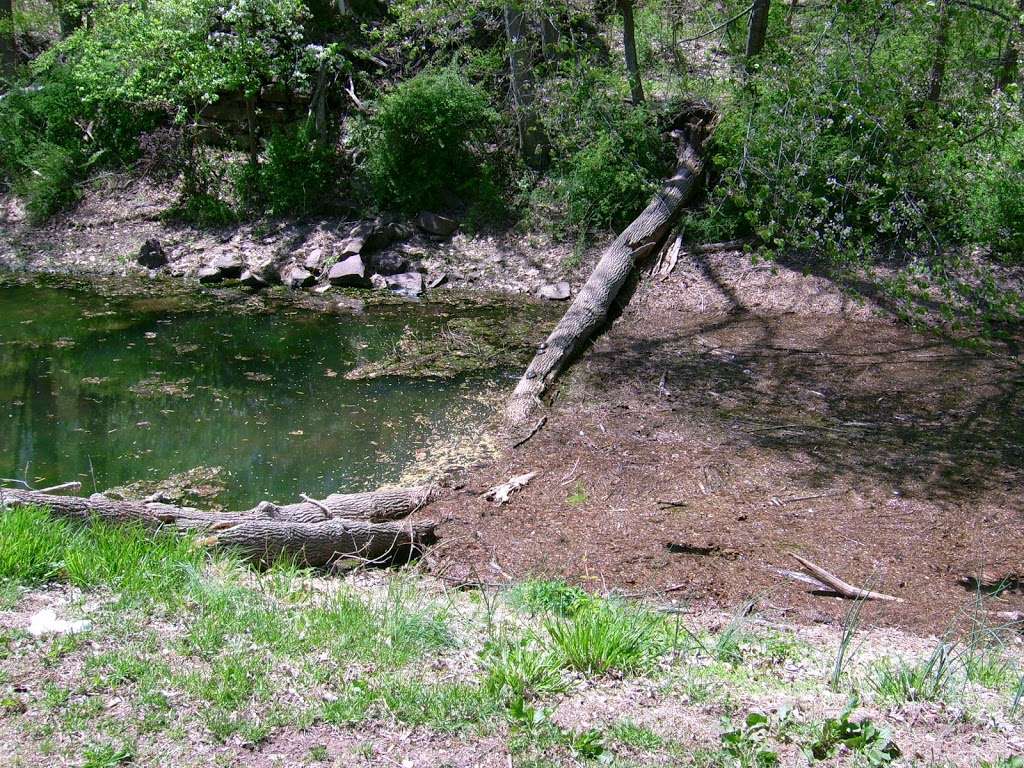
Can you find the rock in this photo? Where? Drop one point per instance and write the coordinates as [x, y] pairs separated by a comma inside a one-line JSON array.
[[436, 225], [356, 240], [348, 304], [152, 254], [379, 282], [313, 259], [46, 622], [295, 276], [349, 272], [388, 263], [252, 279], [407, 283], [370, 236], [223, 267], [555, 291], [436, 280]]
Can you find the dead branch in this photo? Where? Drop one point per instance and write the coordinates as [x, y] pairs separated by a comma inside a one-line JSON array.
[[503, 492], [839, 586]]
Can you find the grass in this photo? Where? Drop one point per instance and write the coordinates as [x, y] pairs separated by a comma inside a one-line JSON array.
[[199, 646], [607, 636]]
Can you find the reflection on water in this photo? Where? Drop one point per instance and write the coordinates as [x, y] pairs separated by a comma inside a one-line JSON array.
[[110, 392]]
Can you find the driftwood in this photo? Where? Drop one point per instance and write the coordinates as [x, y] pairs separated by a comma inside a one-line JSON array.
[[840, 587], [315, 532], [501, 494], [590, 309]]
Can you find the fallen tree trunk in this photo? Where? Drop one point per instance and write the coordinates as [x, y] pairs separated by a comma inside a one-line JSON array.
[[594, 301], [355, 525], [326, 543]]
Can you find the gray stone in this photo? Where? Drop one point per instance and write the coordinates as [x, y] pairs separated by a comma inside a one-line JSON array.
[[556, 291], [436, 225], [314, 258], [379, 282], [222, 267], [388, 263], [349, 272], [295, 276], [152, 254], [252, 279], [407, 283]]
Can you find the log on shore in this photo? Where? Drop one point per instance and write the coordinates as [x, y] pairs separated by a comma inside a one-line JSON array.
[[644, 236], [317, 533]]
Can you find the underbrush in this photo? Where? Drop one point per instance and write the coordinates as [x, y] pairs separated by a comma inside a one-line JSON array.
[[199, 643]]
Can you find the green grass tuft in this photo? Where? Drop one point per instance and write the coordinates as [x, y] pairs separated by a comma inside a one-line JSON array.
[[607, 636]]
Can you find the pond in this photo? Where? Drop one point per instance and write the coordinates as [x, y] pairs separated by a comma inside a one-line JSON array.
[[111, 391]]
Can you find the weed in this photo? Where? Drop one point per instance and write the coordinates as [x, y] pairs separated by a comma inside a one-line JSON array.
[[107, 755], [442, 706], [633, 735], [555, 597], [926, 681], [874, 744], [578, 495], [746, 746], [846, 651], [607, 636], [517, 667], [317, 754]]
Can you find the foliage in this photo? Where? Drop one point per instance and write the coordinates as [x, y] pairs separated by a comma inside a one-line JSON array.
[[929, 680], [745, 746], [519, 668], [607, 636], [426, 140], [298, 175], [610, 156], [874, 744], [555, 597]]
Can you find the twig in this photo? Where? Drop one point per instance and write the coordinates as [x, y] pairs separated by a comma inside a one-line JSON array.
[[315, 503], [74, 485], [725, 23], [839, 586]]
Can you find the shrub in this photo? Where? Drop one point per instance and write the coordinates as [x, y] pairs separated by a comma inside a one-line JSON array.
[[427, 142], [611, 154], [297, 175]]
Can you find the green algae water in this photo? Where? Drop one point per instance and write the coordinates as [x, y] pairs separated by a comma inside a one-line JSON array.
[[113, 391]]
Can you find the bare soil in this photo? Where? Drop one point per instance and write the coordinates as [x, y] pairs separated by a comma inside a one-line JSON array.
[[734, 414]]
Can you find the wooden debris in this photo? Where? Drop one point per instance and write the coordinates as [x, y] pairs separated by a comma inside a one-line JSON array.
[[839, 586], [503, 492]]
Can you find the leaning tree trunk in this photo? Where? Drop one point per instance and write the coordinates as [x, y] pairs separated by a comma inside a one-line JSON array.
[[757, 28], [342, 526], [937, 74], [591, 306], [636, 86]]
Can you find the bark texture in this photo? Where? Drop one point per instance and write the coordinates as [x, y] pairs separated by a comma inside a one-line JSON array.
[[757, 28], [636, 86], [592, 304], [353, 525], [937, 74]]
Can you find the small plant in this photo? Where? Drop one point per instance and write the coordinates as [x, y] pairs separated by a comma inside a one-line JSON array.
[[607, 636], [578, 495], [926, 681], [846, 651], [1013, 761], [107, 755], [746, 746], [874, 744], [555, 597], [518, 668]]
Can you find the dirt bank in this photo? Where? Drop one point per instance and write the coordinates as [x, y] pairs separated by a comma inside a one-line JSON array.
[[734, 414]]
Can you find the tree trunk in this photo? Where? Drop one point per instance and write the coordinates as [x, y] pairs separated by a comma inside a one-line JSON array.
[[1010, 58], [938, 70], [8, 50], [591, 306], [636, 87], [549, 38], [250, 119], [531, 135], [757, 27], [359, 525]]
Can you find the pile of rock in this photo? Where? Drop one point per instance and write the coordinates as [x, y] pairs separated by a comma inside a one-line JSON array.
[[369, 254]]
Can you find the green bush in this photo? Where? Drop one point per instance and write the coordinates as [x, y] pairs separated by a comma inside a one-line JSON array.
[[427, 142], [609, 155], [297, 176]]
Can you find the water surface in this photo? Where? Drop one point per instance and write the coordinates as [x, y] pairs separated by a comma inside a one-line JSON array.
[[113, 391]]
